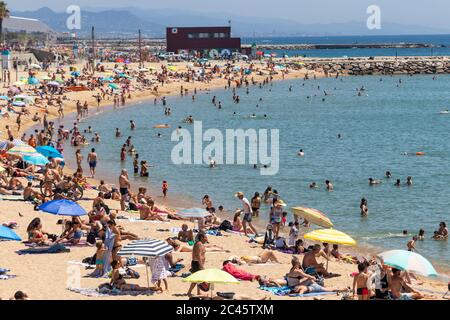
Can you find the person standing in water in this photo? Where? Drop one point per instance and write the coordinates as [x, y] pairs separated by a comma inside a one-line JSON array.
[[92, 160], [364, 209]]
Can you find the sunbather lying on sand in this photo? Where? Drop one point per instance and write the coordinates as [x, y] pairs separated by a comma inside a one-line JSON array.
[[263, 257]]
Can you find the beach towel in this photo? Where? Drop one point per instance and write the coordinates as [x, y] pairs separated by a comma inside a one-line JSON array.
[[106, 292], [56, 248], [238, 273], [176, 268], [175, 230], [12, 198], [214, 233], [4, 275], [67, 244], [284, 291]]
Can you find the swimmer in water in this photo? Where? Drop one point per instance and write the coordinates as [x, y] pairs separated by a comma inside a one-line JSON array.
[[409, 181], [364, 208], [313, 185], [159, 135], [373, 181], [253, 116], [388, 175], [118, 134], [339, 135], [329, 185], [301, 153], [397, 183]]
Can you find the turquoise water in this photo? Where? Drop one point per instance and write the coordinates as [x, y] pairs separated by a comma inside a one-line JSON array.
[[376, 128]]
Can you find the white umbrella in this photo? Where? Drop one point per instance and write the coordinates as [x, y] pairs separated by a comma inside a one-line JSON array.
[[408, 260]]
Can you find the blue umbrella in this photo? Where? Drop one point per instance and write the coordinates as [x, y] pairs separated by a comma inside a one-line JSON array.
[[63, 208], [33, 80], [4, 98], [408, 260], [7, 234], [48, 151], [38, 160]]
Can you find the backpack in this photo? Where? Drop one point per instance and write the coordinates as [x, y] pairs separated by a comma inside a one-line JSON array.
[[226, 225]]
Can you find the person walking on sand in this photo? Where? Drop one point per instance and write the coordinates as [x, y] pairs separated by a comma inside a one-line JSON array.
[[124, 185], [247, 212], [92, 160], [360, 282]]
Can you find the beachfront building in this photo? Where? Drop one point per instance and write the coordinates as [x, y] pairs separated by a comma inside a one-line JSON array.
[[202, 41]]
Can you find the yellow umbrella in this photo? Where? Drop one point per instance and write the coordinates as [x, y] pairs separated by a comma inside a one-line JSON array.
[[211, 276], [330, 236], [313, 215]]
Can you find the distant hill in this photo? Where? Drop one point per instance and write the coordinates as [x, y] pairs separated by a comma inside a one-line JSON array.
[[126, 21], [106, 23]]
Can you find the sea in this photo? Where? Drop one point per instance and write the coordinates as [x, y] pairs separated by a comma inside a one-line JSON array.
[[380, 130]]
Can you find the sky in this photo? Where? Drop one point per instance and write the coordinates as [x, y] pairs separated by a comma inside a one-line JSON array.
[[417, 12]]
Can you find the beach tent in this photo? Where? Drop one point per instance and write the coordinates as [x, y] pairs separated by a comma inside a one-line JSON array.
[[48, 151], [409, 261], [149, 248], [313, 215], [8, 234], [63, 208], [211, 276]]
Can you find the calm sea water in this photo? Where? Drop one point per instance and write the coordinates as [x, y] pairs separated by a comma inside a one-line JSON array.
[[436, 40], [376, 128]]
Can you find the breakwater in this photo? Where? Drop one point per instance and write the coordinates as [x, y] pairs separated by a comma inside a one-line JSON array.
[[374, 66]]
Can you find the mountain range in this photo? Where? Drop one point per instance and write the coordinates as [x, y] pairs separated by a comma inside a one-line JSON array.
[[125, 22]]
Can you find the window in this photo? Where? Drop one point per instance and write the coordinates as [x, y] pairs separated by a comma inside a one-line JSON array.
[[174, 30], [203, 35]]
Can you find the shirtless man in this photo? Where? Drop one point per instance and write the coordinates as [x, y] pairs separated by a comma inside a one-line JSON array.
[[124, 185], [198, 259], [411, 244], [146, 213], [185, 234], [310, 263], [92, 160], [396, 283], [29, 194], [360, 282]]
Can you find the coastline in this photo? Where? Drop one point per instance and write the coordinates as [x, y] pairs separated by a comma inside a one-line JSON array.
[[236, 242]]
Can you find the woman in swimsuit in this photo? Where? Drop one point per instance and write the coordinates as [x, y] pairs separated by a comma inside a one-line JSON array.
[[36, 234], [119, 283], [117, 239], [207, 202]]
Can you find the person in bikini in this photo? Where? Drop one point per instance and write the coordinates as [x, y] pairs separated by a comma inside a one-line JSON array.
[[263, 257]]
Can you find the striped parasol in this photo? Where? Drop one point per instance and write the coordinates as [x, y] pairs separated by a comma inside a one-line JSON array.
[[23, 150], [330, 236], [15, 142], [193, 213], [146, 248]]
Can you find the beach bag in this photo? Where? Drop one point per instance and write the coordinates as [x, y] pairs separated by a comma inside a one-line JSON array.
[[133, 274], [133, 206], [91, 238], [204, 286], [226, 225]]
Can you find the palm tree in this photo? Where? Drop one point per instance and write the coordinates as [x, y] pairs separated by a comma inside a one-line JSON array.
[[4, 13]]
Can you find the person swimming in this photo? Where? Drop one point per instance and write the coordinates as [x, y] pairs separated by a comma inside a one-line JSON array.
[[373, 181], [301, 153]]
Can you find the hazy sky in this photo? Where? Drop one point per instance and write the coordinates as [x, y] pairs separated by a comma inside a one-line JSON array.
[[419, 12]]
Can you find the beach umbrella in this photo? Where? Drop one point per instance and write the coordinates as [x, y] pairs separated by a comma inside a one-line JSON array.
[[15, 142], [46, 78], [62, 208], [146, 248], [409, 261], [75, 74], [35, 66], [211, 276], [193, 213], [38, 160], [330, 236], [113, 85], [33, 81], [19, 104], [48, 151], [4, 98], [8, 234], [313, 215], [172, 68], [23, 150]]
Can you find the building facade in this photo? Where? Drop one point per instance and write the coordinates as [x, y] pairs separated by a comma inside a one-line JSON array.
[[202, 41]]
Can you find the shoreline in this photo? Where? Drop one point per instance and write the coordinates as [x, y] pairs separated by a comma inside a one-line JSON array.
[[180, 201]]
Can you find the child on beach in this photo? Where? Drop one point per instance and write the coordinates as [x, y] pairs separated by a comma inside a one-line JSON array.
[[165, 187], [360, 282], [101, 249]]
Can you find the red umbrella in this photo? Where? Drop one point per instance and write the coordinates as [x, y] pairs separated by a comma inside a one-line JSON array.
[[259, 53]]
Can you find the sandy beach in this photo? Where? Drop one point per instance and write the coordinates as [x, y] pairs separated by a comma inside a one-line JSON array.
[[47, 276]]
